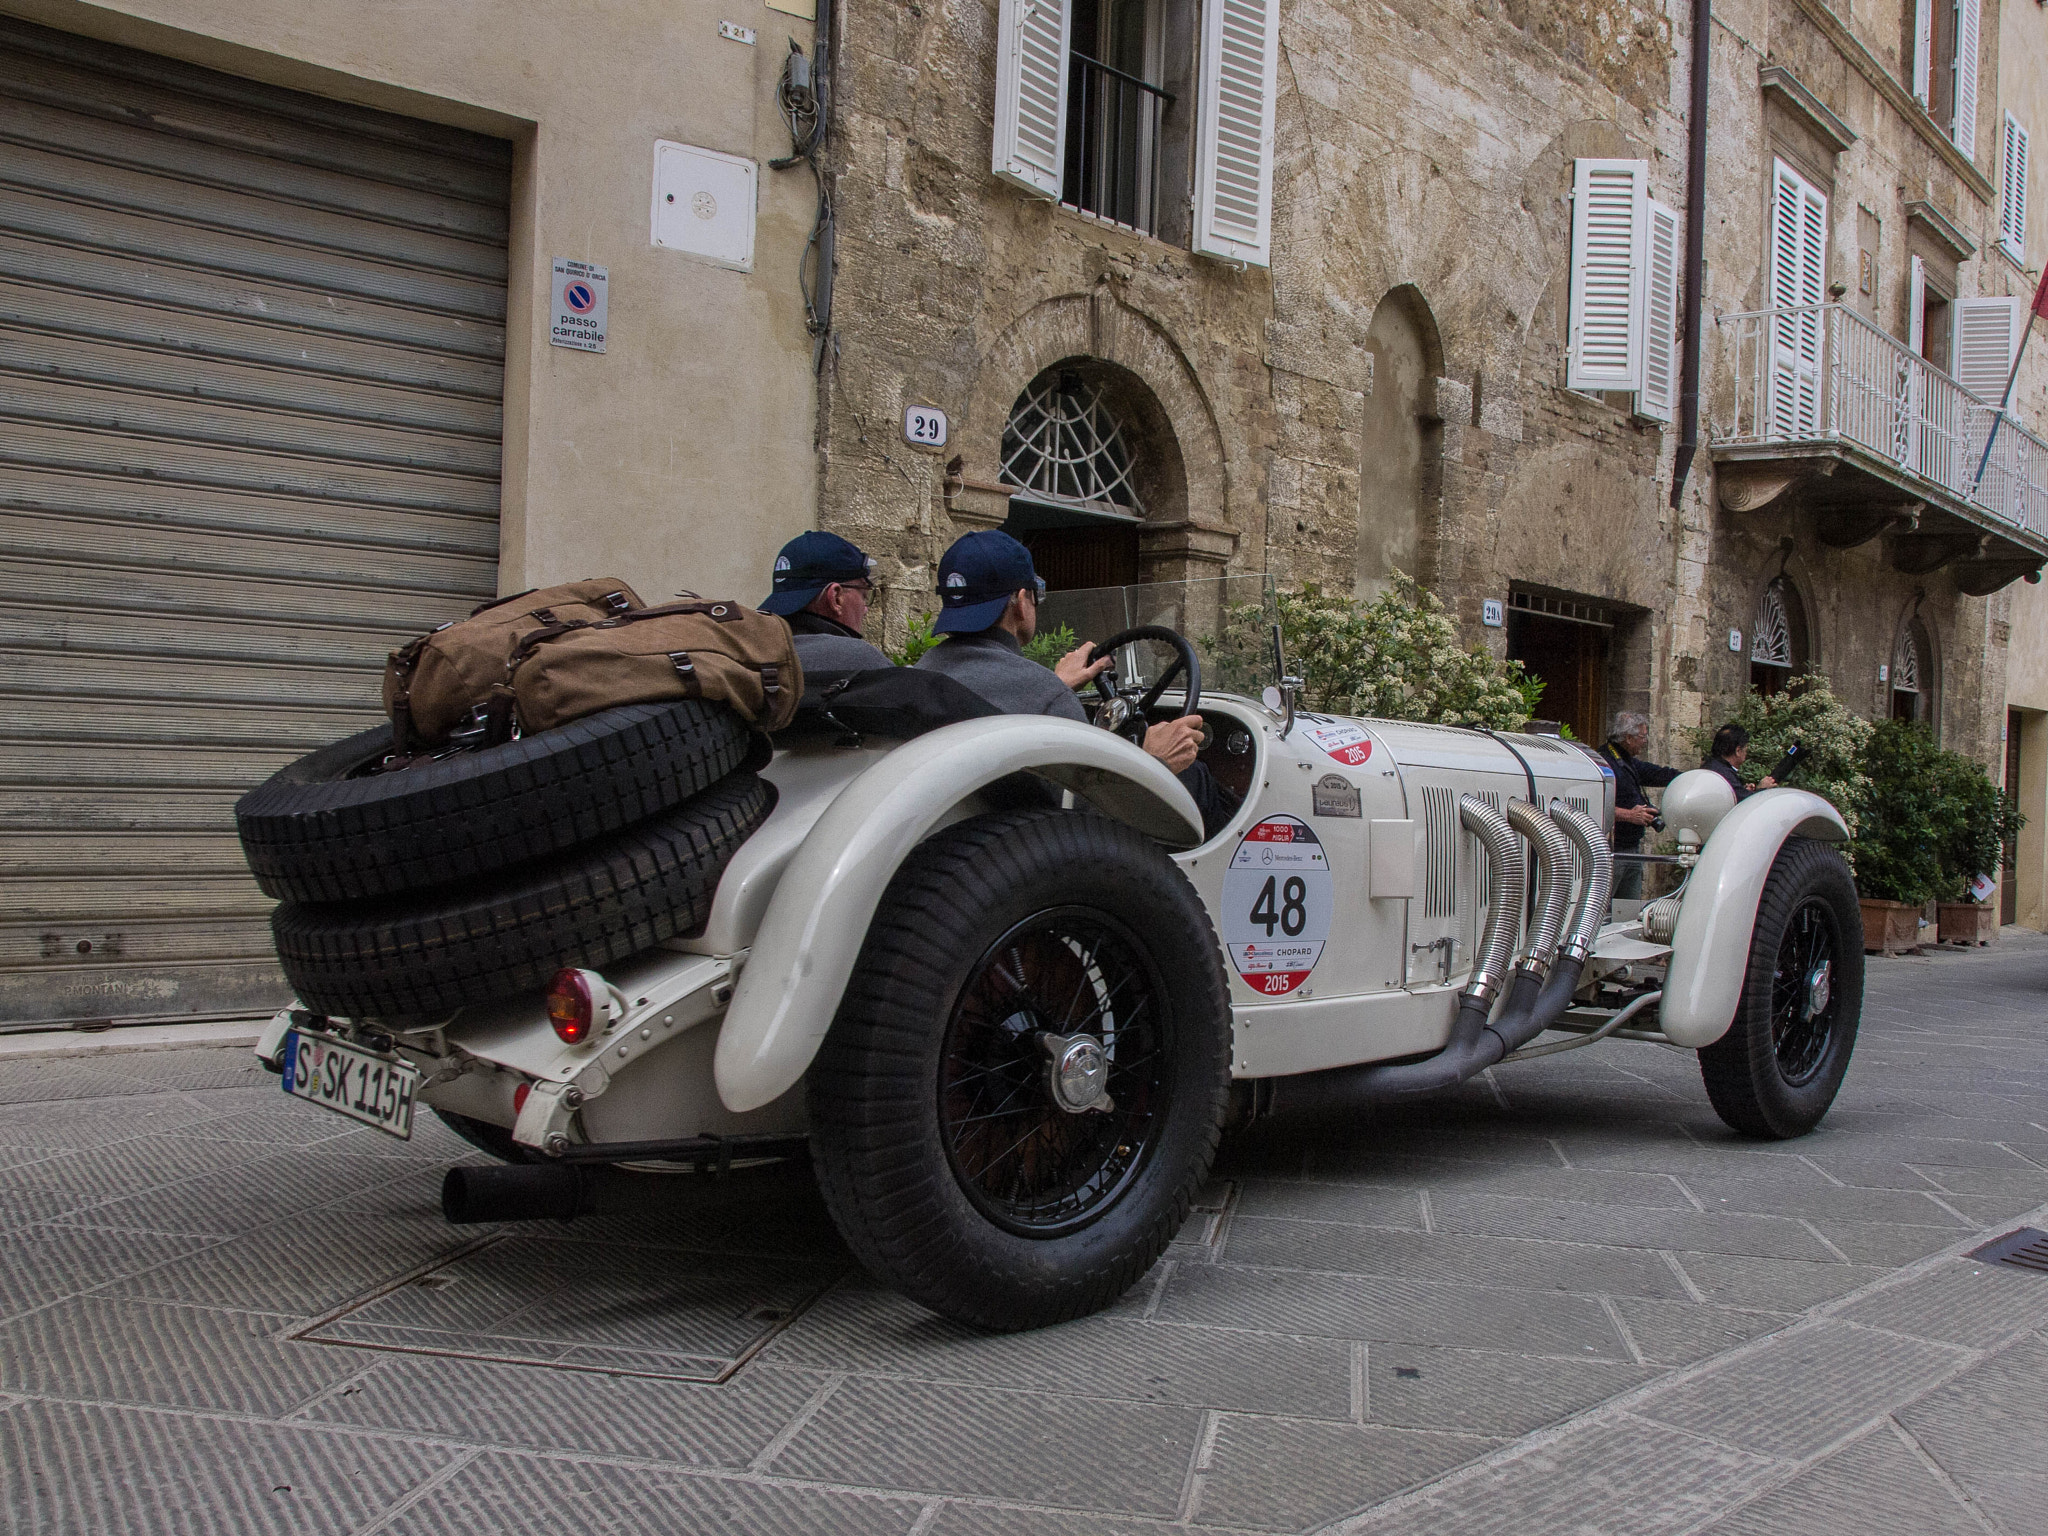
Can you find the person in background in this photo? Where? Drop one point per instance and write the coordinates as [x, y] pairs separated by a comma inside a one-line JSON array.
[[1632, 809], [1731, 751], [822, 586]]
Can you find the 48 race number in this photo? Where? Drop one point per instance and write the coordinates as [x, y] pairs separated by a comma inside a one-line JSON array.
[[1277, 899]]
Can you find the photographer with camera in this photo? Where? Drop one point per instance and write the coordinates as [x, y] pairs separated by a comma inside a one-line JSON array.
[[1632, 809]]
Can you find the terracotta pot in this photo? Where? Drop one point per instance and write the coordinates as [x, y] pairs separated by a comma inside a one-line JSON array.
[[1966, 922], [1889, 927]]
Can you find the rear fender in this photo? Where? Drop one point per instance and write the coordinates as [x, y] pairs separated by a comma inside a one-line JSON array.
[[1710, 949], [818, 917]]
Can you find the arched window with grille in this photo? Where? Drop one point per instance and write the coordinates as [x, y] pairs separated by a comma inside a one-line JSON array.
[[1912, 675], [1072, 455], [1777, 638]]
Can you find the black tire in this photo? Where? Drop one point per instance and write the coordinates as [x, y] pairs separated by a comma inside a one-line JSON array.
[[914, 1057], [314, 833], [1776, 1071], [435, 951]]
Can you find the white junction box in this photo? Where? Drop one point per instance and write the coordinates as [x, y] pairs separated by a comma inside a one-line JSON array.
[[704, 204]]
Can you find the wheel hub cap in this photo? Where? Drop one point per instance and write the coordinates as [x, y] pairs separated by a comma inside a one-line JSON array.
[[1077, 1073], [1820, 987]]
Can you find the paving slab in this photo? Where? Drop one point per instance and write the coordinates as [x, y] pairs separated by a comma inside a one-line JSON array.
[[1879, 1485]]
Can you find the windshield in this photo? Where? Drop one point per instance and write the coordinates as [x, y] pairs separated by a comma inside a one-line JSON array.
[[1229, 619]]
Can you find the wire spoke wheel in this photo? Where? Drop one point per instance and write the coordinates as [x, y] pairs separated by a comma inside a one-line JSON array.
[[1029, 1162], [1803, 995]]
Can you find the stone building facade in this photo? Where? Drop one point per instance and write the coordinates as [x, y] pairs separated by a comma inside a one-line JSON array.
[[1385, 386]]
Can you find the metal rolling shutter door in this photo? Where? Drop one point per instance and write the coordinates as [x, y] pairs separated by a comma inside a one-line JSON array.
[[251, 360]]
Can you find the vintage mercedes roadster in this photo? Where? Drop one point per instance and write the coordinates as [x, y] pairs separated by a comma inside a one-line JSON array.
[[993, 971]]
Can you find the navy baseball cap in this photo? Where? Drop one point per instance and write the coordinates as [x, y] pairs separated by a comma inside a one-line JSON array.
[[808, 564], [977, 578]]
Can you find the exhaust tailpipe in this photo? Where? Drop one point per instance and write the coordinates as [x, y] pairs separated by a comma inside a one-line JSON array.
[[517, 1192]]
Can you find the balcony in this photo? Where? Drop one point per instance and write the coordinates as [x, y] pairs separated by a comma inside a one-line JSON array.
[[1879, 442]]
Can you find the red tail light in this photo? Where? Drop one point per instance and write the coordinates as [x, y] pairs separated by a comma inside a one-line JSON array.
[[572, 1005]]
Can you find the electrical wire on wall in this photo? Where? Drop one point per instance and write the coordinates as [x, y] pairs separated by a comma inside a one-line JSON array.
[[804, 99]]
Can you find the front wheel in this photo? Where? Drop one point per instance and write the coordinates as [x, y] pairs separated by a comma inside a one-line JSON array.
[[1025, 1083], [1778, 1068]]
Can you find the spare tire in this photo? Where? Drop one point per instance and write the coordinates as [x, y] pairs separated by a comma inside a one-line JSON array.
[[321, 830], [435, 951]]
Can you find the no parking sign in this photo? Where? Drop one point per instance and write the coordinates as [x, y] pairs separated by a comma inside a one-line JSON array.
[[579, 307]]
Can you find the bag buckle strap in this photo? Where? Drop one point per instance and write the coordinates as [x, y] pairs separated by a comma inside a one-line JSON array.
[[686, 673]]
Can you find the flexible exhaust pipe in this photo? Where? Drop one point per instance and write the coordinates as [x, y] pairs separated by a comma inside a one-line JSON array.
[[1350, 1087], [517, 1192], [1584, 834]]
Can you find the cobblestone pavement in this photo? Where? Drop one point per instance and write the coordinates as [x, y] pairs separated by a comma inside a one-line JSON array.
[[1562, 1300]]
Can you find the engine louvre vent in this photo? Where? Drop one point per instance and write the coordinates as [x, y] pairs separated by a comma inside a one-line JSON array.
[[1440, 829]]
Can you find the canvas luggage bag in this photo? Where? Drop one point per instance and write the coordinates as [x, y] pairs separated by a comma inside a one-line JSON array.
[[718, 650], [431, 684]]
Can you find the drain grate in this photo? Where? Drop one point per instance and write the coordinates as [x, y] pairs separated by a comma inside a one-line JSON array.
[[2024, 1249], [517, 1299]]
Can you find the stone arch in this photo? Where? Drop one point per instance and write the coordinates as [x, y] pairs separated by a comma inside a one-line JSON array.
[[1780, 635], [1913, 646], [1400, 491], [1194, 513]]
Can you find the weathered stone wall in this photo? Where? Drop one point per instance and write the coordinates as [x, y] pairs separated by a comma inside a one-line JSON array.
[[1425, 157]]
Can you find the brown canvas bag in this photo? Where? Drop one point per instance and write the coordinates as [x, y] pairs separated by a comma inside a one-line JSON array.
[[432, 683], [718, 650]]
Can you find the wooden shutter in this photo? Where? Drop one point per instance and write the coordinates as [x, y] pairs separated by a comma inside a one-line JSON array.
[[1923, 50], [1916, 307], [1234, 174], [1964, 129], [1031, 93], [2012, 204], [1604, 337], [1658, 397], [1986, 331], [1799, 250]]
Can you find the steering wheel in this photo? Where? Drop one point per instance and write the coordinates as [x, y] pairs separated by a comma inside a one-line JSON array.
[[1126, 710]]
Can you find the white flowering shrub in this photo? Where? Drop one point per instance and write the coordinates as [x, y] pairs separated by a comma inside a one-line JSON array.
[[1398, 657], [1834, 741]]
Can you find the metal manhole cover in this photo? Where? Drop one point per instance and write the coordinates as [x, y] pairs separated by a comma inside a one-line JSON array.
[[2024, 1249], [519, 1299]]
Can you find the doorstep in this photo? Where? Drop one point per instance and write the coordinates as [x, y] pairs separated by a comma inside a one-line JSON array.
[[199, 1034]]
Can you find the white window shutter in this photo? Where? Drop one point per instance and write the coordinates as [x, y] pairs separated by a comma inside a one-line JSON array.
[[1916, 308], [1923, 50], [1799, 255], [1031, 93], [1658, 398], [1604, 329], [1234, 133], [2012, 203], [1964, 129], [1986, 332]]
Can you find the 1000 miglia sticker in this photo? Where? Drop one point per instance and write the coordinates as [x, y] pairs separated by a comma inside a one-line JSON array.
[[1277, 898]]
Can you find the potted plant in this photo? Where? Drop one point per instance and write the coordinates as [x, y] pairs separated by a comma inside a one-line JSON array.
[[1899, 835], [1976, 818]]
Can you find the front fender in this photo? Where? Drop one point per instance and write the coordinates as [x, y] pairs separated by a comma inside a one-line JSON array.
[[1710, 950], [818, 918]]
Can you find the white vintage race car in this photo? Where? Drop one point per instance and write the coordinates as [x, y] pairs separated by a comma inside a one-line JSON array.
[[995, 973]]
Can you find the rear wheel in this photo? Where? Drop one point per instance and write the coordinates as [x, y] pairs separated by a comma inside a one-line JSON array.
[[1024, 1086], [1778, 1068]]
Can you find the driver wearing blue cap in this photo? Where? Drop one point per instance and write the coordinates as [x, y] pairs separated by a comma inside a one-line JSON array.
[[988, 612], [822, 586]]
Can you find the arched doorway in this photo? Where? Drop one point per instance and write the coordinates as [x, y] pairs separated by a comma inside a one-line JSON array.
[[1778, 638], [1401, 449], [1088, 455]]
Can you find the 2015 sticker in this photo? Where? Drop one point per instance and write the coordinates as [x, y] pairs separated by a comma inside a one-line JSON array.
[[1277, 901], [1349, 744]]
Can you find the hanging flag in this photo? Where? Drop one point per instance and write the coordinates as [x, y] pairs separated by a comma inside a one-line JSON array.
[[2041, 294]]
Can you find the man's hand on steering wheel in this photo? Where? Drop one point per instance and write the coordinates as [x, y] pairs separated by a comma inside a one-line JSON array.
[[1174, 742], [1076, 670]]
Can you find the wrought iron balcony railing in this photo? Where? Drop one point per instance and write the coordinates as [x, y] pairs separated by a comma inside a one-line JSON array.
[[1821, 373], [1114, 128]]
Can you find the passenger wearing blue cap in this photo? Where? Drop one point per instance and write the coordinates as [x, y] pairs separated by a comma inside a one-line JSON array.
[[988, 612], [822, 585]]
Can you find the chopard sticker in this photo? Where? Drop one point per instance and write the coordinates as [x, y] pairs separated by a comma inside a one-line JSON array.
[[1277, 899], [1346, 743], [1334, 795]]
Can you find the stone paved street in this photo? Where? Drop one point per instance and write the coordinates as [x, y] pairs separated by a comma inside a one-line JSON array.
[[1562, 1300]]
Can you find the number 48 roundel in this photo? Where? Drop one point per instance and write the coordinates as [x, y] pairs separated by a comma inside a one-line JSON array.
[[1277, 896]]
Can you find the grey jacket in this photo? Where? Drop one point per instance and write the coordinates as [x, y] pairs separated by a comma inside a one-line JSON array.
[[993, 665], [823, 646]]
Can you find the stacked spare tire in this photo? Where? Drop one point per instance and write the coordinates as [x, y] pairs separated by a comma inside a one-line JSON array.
[[565, 777]]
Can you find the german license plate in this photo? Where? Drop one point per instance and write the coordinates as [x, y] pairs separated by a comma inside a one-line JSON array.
[[377, 1090]]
